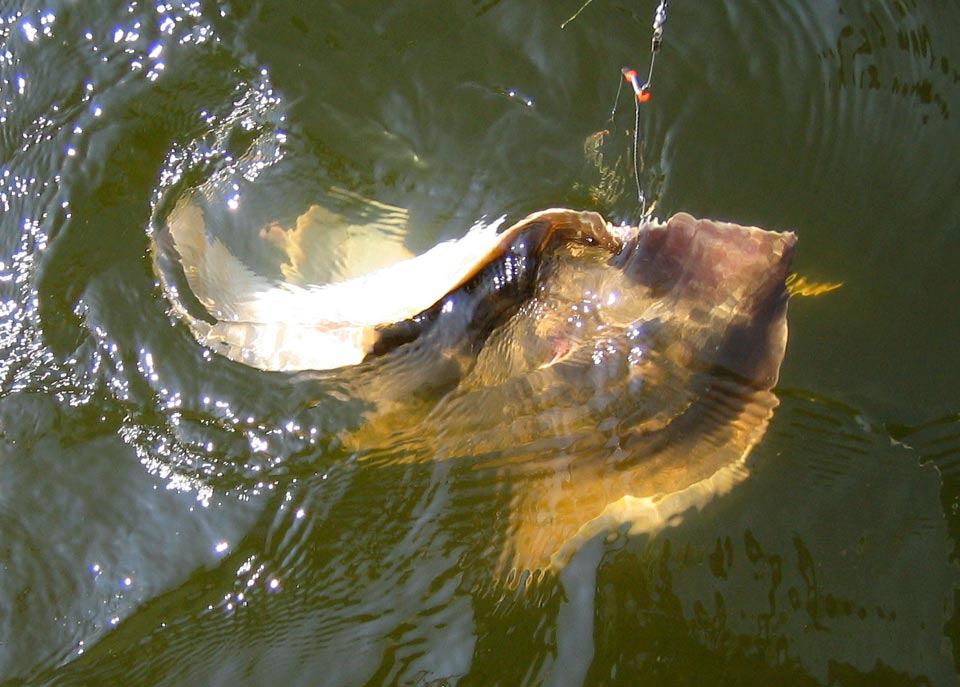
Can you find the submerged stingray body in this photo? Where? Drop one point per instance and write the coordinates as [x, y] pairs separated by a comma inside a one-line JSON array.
[[610, 375]]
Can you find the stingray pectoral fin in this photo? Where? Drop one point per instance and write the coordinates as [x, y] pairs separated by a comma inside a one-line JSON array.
[[648, 482], [693, 471], [281, 347], [244, 316], [650, 514]]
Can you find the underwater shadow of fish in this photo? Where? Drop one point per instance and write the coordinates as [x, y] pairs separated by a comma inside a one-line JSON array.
[[606, 375]]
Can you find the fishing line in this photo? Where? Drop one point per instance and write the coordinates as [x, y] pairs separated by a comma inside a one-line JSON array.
[[642, 91]]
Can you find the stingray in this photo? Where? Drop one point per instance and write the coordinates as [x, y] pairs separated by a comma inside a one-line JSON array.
[[615, 374]]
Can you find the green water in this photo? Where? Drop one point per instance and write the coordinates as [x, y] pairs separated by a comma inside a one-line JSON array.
[[168, 517]]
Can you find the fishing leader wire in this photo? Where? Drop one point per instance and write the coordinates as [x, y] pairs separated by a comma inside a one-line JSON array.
[[642, 91]]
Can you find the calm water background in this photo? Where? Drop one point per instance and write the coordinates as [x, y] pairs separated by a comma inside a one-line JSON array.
[[166, 518]]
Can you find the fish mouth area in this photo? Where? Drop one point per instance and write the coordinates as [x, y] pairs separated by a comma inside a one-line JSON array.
[[714, 261], [727, 281]]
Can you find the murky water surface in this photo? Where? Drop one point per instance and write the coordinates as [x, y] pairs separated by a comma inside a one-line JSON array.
[[172, 517]]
